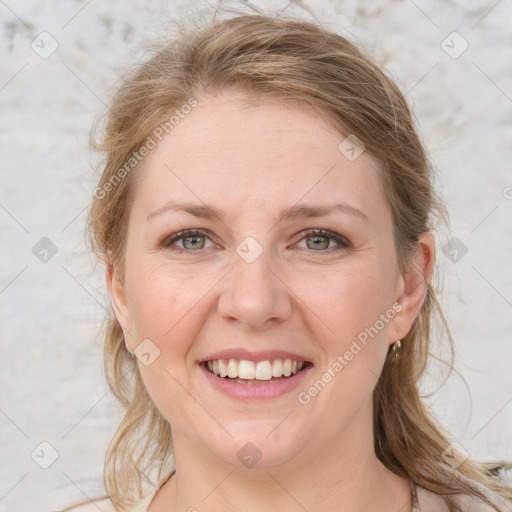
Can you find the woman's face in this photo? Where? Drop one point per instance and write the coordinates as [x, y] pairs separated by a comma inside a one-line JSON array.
[[291, 256]]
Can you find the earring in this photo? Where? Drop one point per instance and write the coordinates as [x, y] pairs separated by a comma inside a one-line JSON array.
[[396, 349], [130, 353]]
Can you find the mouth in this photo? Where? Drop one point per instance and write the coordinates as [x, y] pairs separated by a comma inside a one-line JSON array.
[[243, 371], [247, 380]]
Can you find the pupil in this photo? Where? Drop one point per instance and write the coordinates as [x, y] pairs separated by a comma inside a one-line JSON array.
[[321, 242], [193, 240]]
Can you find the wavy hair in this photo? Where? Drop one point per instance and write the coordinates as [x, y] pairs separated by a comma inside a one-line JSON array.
[[281, 58]]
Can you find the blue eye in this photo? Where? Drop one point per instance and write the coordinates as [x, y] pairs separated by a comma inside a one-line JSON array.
[[191, 240], [317, 240]]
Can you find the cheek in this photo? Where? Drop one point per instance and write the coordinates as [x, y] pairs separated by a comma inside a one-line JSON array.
[[166, 303], [158, 296], [355, 307], [352, 309], [349, 301]]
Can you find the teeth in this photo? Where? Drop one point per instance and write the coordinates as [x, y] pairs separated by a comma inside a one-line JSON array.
[[232, 369], [223, 369], [277, 368], [249, 370], [246, 369], [263, 371], [287, 367]]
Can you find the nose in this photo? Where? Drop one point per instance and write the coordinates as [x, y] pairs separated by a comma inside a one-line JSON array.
[[255, 295]]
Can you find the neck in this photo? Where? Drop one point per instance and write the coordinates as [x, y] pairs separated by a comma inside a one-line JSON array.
[[341, 476]]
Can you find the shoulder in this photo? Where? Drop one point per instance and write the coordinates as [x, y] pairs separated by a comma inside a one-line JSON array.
[[432, 502], [473, 504], [103, 504]]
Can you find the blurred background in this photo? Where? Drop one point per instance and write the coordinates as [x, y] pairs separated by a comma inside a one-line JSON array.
[[60, 62]]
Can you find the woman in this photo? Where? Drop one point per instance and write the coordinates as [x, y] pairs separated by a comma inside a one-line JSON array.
[[264, 216]]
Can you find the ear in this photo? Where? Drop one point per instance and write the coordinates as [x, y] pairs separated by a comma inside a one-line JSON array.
[[414, 287], [116, 290]]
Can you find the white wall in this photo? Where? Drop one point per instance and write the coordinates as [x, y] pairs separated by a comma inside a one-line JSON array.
[[53, 388]]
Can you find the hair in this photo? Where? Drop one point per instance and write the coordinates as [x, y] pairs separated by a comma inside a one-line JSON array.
[[269, 57]]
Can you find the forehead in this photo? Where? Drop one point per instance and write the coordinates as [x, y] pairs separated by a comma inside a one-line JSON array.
[[234, 155]]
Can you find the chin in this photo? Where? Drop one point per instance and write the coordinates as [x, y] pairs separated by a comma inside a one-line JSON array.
[[259, 445]]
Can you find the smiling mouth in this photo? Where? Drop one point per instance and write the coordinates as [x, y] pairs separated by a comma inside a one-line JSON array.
[[243, 371]]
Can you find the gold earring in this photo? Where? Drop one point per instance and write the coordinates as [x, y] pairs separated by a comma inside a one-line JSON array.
[[396, 349]]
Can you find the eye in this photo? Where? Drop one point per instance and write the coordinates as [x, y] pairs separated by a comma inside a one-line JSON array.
[[320, 240], [190, 240]]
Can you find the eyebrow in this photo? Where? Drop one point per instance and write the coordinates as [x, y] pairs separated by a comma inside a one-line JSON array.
[[295, 212]]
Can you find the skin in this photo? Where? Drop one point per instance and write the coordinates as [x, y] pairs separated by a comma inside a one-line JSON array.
[[252, 162]]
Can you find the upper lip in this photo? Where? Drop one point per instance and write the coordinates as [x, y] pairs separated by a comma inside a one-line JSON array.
[[264, 355]]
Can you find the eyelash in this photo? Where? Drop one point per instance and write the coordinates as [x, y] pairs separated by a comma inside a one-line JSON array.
[[343, 242]]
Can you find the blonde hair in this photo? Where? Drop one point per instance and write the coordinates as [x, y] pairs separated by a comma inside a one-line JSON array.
[[272, 57]]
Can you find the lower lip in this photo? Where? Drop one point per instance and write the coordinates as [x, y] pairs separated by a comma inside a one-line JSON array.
[[273, 389]]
